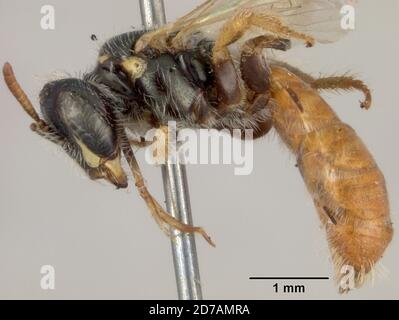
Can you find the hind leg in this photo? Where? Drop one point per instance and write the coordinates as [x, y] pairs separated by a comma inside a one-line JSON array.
[[253, 115], [253, 68], [226, 77], [262, 119], [344, 83], [255, 74], [332, 83]]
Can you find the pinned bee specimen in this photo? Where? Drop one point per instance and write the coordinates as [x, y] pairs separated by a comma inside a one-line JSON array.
[[213, 69]]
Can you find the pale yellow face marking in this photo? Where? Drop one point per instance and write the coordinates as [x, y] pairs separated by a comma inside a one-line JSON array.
[[110, 169], [90, 158], [134, 66], [114, 166], [103, 58]]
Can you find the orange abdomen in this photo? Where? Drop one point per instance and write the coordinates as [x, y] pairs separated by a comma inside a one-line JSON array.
[[346, 184]]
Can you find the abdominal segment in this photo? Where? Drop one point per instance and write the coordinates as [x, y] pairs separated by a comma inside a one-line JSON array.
[[347, 187]]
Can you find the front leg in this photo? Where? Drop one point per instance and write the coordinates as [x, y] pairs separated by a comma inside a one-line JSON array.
[[163, 219]]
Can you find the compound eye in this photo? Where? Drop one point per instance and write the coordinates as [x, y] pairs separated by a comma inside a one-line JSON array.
[[76, 111]]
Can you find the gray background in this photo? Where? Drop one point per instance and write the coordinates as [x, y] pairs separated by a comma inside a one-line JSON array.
[[104, 244]]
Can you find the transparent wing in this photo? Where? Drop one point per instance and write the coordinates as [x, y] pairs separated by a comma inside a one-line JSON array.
[[318, 18]]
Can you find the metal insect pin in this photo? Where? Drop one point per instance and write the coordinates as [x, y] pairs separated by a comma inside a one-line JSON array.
[[186, 72]]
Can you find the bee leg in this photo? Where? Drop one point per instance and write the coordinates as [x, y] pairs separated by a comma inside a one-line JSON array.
[[332, 83], [228, 86], [255, 115], [262, 128], [163, 219], [156, 39], [344, 83], [227, 81], [140, 143], [256, 75], [255, 70], [299, 73], [260, 114], [235, 28]]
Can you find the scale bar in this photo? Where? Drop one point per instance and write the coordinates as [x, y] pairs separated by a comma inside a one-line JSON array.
[[289, 278]]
